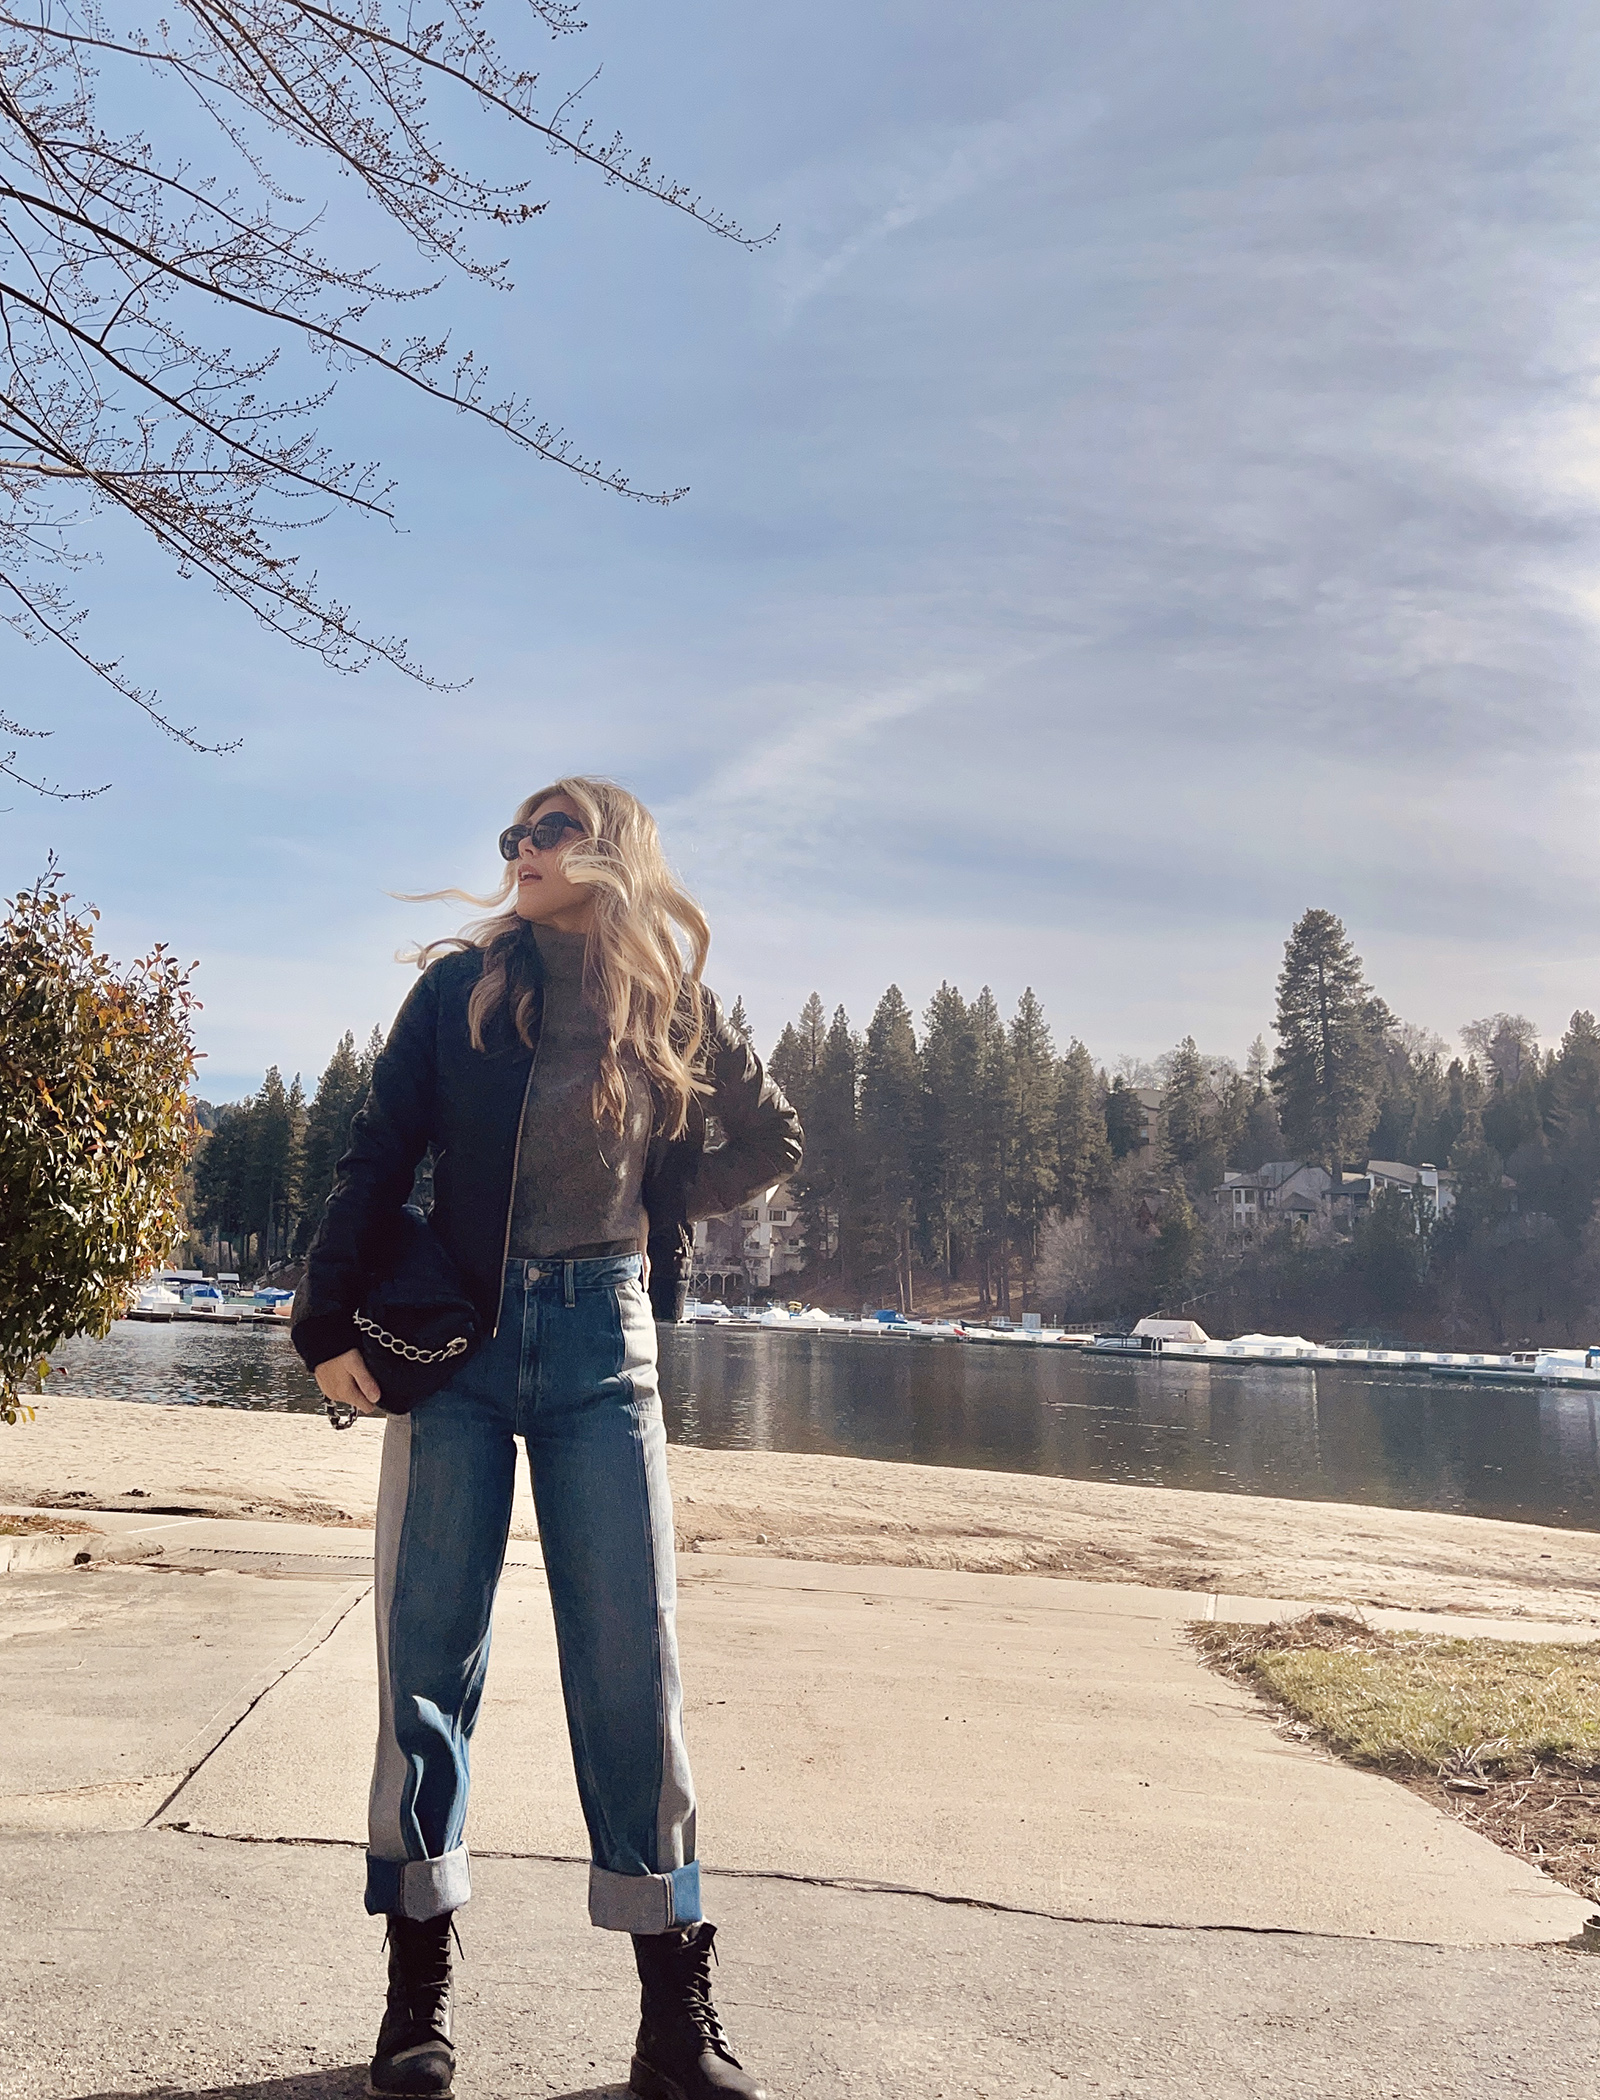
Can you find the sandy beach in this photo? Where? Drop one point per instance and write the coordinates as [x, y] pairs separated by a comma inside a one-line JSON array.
[[107, 1454]]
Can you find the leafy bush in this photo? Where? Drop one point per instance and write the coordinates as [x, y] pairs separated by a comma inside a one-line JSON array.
[[96, 1127]]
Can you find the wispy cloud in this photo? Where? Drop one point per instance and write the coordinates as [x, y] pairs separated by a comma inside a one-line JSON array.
[[925, 178], [1153, 485]]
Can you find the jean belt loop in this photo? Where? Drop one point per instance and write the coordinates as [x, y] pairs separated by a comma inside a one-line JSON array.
[[569, 1273]]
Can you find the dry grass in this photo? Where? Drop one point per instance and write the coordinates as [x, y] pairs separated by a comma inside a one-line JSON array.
[[1503, 1735], [15, 1525]]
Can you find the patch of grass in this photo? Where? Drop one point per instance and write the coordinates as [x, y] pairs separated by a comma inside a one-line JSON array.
[[1503, 1735], [1423, 1702]]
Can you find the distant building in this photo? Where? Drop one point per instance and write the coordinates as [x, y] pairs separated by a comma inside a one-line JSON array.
[[750, 1249], [1438, 1191], [1310, 1196], [1153, 1103], [1282, 1189]]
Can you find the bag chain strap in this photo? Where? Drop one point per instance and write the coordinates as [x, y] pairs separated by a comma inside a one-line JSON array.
[[409, 1350]]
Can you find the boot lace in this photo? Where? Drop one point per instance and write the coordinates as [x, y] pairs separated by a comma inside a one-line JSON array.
[[695, 2008], [424, 1964]]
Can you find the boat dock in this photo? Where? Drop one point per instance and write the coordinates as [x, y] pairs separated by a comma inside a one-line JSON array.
[[1537, 1367], [1565, 1367], [231, 1316]]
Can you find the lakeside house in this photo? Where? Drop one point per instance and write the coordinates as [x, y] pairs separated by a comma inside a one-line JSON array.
[[1310, 1198], [1436, 1190], [1282, 1189], [750, 1249]]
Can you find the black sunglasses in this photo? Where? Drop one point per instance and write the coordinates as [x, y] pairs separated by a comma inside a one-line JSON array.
[[545, 834]]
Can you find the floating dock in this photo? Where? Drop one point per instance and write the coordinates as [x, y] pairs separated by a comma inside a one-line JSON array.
[[235, 1316], [1535, 1367], [1541, 1367]]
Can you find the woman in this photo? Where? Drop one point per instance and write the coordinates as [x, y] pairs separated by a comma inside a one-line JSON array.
[[560, 1059]]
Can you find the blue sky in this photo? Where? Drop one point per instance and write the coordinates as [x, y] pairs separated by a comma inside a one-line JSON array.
[[1149, 487]]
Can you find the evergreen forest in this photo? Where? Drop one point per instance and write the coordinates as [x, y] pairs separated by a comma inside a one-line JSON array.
[[965, 1159]]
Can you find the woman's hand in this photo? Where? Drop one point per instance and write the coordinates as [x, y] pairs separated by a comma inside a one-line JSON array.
[[347, 1379]]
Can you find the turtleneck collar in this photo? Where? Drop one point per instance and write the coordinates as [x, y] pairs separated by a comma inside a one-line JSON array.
[[561, 953]]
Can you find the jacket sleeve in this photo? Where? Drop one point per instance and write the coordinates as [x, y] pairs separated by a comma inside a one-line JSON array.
[[388, 1135], [762, 1138]]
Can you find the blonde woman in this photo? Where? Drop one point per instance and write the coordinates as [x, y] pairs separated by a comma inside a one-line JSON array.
[[560, 1058]]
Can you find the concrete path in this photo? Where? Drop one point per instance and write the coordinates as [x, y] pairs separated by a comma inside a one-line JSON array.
[[968, 1834], [152, 1964], [1047, 1746]]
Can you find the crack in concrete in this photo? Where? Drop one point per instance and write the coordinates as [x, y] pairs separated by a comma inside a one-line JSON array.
[[850, 1886], [321, 1633]]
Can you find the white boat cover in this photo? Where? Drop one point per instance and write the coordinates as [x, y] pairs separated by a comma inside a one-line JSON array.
[[1173, 1330]]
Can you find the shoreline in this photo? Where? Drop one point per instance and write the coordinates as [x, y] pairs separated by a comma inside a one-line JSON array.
[[82, 1454]]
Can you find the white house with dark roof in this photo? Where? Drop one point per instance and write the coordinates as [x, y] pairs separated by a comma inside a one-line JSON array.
[[751, 1247], [1438, 1191]]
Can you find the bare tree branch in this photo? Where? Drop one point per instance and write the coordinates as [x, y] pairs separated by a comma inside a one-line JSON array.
[[117, 263]]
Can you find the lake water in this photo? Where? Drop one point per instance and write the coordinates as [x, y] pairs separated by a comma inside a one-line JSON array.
[[1345, 1435]]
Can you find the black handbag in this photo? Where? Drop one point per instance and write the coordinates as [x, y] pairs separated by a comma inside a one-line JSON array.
[[417, 1323]]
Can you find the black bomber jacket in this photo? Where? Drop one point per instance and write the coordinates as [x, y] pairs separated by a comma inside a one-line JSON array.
[[431, 1088]]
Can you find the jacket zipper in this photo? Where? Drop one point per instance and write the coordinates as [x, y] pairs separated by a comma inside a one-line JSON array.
[[516, 1157]]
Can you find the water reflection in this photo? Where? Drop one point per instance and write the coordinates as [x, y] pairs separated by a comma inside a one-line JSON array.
[[1345, 1435], [187, 1365]]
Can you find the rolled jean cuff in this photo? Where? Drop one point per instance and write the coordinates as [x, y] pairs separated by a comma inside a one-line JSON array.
[[645, 1902], [418, 1888]]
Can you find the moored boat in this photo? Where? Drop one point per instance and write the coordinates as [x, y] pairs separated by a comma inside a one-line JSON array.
[[155, 1302]]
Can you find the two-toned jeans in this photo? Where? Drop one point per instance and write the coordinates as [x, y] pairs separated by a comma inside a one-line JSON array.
[[571, 1369]]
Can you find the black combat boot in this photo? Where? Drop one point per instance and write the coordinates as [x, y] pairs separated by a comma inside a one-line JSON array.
[[414, 2055], [682, 2052]]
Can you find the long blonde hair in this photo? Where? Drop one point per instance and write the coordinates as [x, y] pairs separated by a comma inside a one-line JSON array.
[[634, 972]]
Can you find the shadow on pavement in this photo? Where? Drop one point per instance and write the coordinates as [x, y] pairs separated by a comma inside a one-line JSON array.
[[340, 2082]]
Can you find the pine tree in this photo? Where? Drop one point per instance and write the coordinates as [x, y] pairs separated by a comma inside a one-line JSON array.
[[271, 1171], [1179, 1239], [340, 1092], [946, 1164], [739, 1020], [1575, 1095], [1033, 1156], [991, 1120], [1263, 1136], [247, 1178], [786, 1065], [1572, 1119], [1184, 1109], [1083, 1153], [1124, 1118], [220, 1177], [1259, 1137], [1441, 1132], [1474, 1163], [370, 1054], [828, 1184], [891, 1100], [295, 1192], [797, 1054], [814, 1029], [1330, 1025], [1225, 1129], [1390, 1250], [1512, 1114]]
